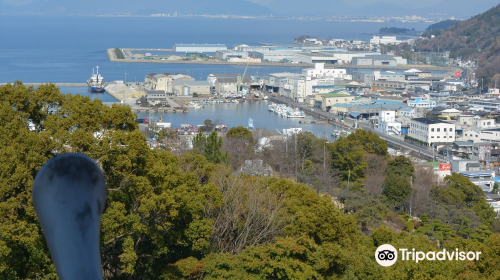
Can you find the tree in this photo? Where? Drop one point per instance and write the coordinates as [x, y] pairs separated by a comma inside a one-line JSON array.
[[212, 149], [241, 134], [397, 188], [400, 166]]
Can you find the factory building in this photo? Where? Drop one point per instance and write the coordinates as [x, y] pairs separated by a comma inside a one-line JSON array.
[[314, 58], [273, 55], [375, 60], [228, 83], [319, 71], [199, 48], [190, 87]]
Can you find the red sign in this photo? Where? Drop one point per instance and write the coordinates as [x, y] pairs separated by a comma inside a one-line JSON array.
[[444, 166], [457, 74]]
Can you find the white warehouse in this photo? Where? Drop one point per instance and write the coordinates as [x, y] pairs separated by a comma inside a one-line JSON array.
[[199, 48]]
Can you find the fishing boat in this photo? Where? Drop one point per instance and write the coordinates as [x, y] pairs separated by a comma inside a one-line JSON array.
[[96, 82]]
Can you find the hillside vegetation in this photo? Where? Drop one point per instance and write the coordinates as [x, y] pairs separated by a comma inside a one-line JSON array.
[[476, 38], [188, 216]]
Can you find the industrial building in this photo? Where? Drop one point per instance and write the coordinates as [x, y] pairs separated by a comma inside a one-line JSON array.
[[314, 58], [375, 60], [228, 83], [188, 88], [227, 54], [326, 101], [273, 55], [199, 48], [319, 71], [431, 130]]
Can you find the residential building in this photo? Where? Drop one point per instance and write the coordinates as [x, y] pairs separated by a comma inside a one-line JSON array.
[[407, 111], [387, 123], [487, 105], [431, 130], [418, 102]]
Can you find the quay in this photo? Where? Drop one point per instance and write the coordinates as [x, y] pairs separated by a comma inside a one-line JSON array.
[[112, 57]]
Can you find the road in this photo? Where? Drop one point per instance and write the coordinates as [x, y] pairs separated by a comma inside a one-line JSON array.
[[395, 142]]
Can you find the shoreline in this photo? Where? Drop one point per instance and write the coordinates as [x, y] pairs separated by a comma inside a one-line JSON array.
[[112, 58]]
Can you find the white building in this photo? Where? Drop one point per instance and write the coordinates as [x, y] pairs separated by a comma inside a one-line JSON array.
[[199, 48], [319, 71], [226, 54], [487, 105], [387, 123], [314, 58], [386, 40], [431, 130]]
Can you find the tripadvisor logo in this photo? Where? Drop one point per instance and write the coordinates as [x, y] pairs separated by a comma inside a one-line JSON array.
[[387, 255]]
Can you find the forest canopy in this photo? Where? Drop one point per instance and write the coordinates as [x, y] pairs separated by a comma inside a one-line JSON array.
[[189, 216]]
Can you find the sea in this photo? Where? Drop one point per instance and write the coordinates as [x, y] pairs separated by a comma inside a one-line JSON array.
[[64, 49]]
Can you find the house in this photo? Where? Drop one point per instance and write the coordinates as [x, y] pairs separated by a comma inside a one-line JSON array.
[[407, 111]]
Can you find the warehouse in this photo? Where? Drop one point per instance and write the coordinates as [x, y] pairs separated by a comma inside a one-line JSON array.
[[228, 54], [378, 60], [198, 87], [273, 56], [199, 48], [314, 58]]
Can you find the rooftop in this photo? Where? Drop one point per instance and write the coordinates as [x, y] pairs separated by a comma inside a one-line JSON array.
[[428, 121], [330, 95], [200, 45]]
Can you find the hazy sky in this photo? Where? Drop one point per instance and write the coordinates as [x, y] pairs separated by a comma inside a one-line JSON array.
[[353, 3]]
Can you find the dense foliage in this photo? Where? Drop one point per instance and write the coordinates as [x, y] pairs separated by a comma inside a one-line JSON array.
[[189, 216], [442, 25]]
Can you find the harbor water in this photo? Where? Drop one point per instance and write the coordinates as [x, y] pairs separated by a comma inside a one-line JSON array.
[[229, 114]]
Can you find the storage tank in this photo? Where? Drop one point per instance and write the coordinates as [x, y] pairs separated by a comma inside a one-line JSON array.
[[186, 90]]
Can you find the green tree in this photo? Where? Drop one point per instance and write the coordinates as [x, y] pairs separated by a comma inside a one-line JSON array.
[[400, 166], [212, 149], [397, 188], [241, 134]]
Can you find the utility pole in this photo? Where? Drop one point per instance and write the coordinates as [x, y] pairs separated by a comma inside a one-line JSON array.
[[411, 187], [324, 150]]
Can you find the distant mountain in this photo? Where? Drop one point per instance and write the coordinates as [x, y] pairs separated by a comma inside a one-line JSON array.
[[321, 8], [476, 38], [465, 9], [99, 7], [445, 24]]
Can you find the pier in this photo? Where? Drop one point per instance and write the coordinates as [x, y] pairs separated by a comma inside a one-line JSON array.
[[112, 57]]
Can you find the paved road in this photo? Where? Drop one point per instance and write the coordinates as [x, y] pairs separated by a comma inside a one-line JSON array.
[[424, 151]]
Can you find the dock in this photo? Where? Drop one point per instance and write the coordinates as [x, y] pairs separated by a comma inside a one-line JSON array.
[[112, 57]]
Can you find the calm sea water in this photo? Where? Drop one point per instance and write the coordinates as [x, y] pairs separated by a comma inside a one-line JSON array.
[[40, 49], [36, 48]]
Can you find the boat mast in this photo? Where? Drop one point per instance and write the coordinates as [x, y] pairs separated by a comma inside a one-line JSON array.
[[97, 76]]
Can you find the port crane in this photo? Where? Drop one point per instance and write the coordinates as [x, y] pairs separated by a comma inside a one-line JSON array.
[[240, 79]]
